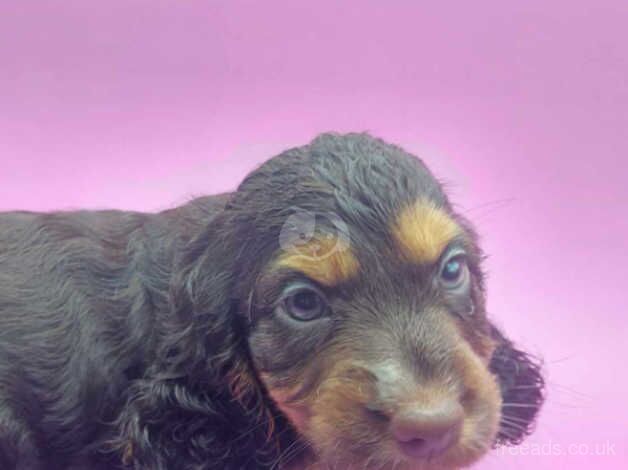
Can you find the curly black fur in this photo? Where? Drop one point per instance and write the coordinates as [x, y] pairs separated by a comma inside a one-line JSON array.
[[522, 388], [120, 341]]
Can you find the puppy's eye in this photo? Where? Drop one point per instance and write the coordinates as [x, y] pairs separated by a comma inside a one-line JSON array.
[[305, 304], [454, 271]]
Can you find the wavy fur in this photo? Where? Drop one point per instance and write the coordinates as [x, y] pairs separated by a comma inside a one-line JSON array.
[[122, 338]]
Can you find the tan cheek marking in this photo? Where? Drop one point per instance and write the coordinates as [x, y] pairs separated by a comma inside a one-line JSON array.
[[328, 261], [422, 231], [484, 346], [297, 413], [127, 454], [482, 400], [339, 409]]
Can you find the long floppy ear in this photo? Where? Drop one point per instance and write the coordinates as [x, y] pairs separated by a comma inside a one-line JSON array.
[[197, 398], [522, 388], [201, 334]]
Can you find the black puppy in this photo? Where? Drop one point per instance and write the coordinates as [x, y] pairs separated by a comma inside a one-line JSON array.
[[330, 313]]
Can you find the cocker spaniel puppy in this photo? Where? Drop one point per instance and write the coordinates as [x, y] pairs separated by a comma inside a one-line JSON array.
[[328, 314]]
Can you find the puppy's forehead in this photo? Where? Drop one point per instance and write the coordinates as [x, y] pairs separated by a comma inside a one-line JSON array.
[[327, 260], [395, 209], [419, 234]]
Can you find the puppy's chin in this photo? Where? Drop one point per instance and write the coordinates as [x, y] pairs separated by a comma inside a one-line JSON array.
[[388, 458], [310, 461], [325, 447]]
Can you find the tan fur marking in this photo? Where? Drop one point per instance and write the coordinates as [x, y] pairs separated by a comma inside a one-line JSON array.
[[127, 454], [422, 231], [241, 383], [482, 400], [325, 259]]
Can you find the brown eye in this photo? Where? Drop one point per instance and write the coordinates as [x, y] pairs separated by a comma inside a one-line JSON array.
[[305, 304]]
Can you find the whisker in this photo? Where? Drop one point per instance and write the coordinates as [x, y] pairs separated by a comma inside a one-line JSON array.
[[519, 405], [291, 450], [563, 388], [509, 433], [276, 437], [524, 387], [491, 205], [515, 419], [513, 425], [256, 426]]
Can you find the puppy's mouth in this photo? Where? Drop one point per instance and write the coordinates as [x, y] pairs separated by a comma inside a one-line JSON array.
[[439, 430]]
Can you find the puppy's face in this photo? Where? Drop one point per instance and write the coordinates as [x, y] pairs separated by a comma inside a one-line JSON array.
[[379, 354], [367, 319]]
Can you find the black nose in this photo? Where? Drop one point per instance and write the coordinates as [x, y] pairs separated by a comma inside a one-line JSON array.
[[423, 432]]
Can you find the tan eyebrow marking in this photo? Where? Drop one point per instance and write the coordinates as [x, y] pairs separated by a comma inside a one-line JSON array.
[[422, 231], [325, 259]]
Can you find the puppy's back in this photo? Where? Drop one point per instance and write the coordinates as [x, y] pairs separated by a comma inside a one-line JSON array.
[[65, 292], [79, 292]]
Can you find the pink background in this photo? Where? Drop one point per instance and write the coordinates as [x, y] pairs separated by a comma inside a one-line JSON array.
[[521, 106]]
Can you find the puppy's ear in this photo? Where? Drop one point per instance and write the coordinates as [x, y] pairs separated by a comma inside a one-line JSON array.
[[522, 388], [202, 334], [189, 406]]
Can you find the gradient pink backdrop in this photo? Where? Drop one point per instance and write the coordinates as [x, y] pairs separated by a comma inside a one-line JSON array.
[[522, 107]]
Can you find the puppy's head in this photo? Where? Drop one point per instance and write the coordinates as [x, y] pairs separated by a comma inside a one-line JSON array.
[[363, 297]]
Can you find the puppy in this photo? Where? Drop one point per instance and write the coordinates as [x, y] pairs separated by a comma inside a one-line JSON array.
[[328, 314]]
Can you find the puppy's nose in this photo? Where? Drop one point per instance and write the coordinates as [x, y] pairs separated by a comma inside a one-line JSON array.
[[426, 432]]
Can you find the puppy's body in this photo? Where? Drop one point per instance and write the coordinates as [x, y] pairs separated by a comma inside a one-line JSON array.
[[82, 298], [131, 340]]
